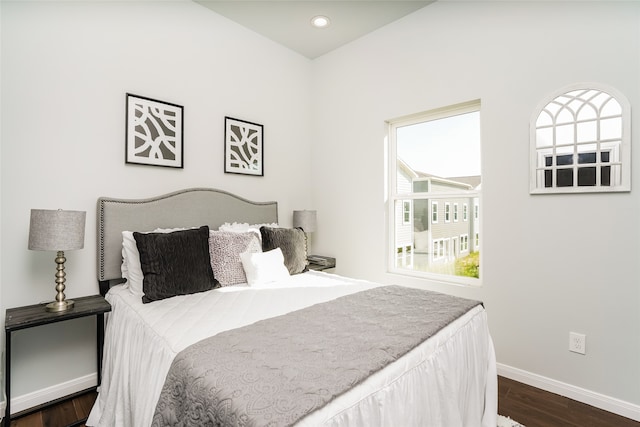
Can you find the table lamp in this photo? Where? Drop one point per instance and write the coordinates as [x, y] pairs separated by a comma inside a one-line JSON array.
[[57, 230], [305, 220]]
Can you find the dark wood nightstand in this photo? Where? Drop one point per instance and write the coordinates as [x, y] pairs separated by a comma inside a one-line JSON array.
[[319, 263], [36, 315]]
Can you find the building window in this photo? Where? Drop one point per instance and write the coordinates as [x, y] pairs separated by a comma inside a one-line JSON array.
[[434, 212], [406, 212], [464, 243], [580, 142], [426, 167]]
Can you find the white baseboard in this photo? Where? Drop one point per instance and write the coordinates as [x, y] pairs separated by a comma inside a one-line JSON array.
[[607, 403], [45, 395]]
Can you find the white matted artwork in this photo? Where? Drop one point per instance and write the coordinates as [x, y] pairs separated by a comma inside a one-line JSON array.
[[153, 132], [243, 147]]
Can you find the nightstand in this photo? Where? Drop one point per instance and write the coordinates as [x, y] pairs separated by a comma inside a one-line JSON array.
[[319, 263], [36, 315]]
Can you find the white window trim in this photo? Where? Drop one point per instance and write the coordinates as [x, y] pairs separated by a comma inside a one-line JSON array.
[[464, 243], [434, 212], [404, 211], [447, 212], [465, 211], [455, 212], [440, 249], [393, 196], [625, 147]]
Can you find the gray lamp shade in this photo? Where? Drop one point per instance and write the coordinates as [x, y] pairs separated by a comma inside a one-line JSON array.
[[56, 230], [305, 220]]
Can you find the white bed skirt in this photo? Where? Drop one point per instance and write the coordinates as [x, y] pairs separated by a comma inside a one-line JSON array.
[[449, 380]]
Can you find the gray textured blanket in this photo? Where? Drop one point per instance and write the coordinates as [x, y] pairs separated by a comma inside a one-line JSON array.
[[276, 371]]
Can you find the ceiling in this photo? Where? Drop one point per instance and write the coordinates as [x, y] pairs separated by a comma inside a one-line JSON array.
[[288, 22]]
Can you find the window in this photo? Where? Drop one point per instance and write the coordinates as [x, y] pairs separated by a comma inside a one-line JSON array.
[[434, 163], [464, 243], [434, 212], [406, 212], [580, 142]]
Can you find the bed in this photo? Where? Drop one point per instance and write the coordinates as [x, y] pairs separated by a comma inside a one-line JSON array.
[[273, 345]]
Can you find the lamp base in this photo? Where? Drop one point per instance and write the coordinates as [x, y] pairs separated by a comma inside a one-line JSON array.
[[60, 305]]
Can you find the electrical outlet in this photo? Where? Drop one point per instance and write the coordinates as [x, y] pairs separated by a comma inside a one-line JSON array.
[[577, 343]]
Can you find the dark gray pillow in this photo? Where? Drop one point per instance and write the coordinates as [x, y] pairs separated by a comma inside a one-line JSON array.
[[175, 263], [293, 244]]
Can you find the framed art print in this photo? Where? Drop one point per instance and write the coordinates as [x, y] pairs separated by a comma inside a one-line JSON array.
[[153, 132], [243, 151]]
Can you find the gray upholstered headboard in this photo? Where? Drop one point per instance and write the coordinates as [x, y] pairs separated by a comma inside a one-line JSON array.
[[186, 208]]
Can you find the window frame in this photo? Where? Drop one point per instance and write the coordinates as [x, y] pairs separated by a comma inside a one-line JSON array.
[[464, 243], [406, 212], [393, 196], [434, 211]]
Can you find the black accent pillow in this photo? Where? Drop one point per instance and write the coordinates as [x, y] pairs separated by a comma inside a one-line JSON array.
[[175, 263], [293, 244]]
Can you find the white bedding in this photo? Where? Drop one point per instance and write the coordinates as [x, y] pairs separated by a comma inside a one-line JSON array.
[[449, 380]]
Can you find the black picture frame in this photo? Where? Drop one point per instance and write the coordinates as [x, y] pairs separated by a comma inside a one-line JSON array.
[[154, 132], [243, 147]]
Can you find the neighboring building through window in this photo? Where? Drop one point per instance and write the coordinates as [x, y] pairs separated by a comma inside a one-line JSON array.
[[435, 165], [580, 142]]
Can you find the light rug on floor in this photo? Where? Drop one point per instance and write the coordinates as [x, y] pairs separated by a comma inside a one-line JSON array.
[[507, 422]]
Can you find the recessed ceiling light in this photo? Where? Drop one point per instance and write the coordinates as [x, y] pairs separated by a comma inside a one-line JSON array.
[[320, 21]]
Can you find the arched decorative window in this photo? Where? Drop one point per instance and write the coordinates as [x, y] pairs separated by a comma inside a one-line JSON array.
[[580, 142]]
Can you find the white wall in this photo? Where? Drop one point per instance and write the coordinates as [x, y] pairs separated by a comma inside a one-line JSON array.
[[550, 264], [66, 67], [2, 398]]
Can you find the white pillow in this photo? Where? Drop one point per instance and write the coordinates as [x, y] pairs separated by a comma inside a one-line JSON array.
[[244, 227], [264, 267], [131, 268]]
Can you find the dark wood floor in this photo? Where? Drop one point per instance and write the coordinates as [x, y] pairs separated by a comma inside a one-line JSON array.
[[66, 413], [528, 405], [538, 408]]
